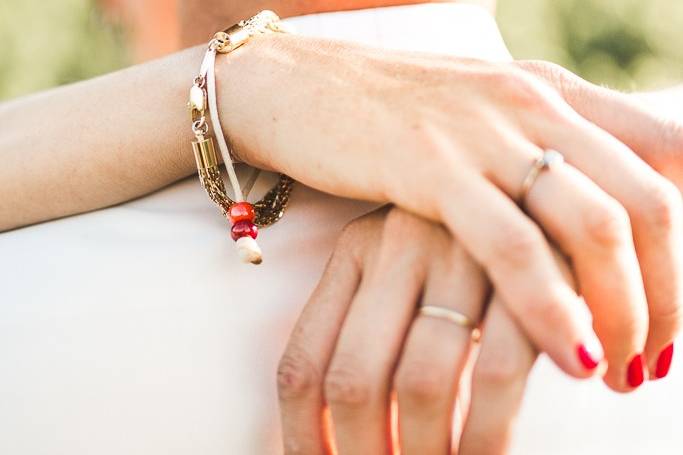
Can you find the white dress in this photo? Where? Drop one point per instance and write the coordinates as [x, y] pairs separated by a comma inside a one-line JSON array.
[[135, 330]]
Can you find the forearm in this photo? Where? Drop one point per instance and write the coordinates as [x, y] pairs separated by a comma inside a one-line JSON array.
[[284, 100], [108, 140], [96, 143]]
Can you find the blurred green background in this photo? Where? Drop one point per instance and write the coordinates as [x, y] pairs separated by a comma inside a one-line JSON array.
[[626, 44]]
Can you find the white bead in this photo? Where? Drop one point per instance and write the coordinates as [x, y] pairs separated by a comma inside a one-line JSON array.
[[248, 250], [197, 99]]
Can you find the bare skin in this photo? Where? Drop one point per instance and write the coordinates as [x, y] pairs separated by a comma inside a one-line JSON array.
[[97, 150], [115, 150], [330, 361], [332, 358], [102, 133]]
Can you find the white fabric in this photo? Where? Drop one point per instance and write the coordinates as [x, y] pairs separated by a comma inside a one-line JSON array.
[[136, 330]]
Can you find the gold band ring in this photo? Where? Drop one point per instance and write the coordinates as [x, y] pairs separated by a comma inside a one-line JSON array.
[[549, 159], [451, 315]]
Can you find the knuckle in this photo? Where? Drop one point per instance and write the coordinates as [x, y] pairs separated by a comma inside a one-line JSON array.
[[543, 68], [529, 94], [349, 230], [520, 89], [663, 206], [358, 228], [349, 234], [399, 220], [561, 79], [297, 376], [345, 387], [516, 246], [625, 331], [401, 225], [397, 256], [607, 225], [666, 320], [422, 383], [358, 236], [347, 241], [545, 308], [347, 250], [499, 367], [671, 137]]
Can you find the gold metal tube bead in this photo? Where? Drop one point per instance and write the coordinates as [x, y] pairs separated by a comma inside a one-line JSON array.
[[205, 153], [232, 38]]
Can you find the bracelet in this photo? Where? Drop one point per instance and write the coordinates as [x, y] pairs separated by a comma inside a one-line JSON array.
[[244, 216]]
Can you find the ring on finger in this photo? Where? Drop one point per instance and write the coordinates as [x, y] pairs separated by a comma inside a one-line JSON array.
[[548, 160], [453, 316]]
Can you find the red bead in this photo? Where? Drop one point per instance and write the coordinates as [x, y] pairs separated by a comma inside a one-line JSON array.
[[243, 229], [241, 211]]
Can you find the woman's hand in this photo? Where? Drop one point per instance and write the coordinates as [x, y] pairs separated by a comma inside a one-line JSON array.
[[453, 140], [360, 339]]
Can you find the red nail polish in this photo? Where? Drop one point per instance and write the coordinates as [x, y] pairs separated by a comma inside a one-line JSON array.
[[664, 361], [635, 375], [586, 358]]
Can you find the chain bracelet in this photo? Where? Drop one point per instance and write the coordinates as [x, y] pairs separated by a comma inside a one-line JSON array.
[[245, 217]]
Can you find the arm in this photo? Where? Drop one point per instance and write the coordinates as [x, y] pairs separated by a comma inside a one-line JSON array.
[[96, 143], [448, 139]]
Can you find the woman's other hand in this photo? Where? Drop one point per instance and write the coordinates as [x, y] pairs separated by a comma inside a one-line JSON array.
[[452, 140], [360, 339]]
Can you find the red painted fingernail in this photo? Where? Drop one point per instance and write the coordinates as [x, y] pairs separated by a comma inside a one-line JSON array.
[[635, 375], [664, 361], [587, 358]]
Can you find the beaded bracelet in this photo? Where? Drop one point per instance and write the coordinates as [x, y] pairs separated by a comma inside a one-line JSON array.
[[244, 216]]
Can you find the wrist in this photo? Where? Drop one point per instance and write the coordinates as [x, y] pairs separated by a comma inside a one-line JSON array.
[[242, 77]]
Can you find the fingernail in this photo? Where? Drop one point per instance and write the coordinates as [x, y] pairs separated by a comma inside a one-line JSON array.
[[664, 361], [635, 374], [589, 357]]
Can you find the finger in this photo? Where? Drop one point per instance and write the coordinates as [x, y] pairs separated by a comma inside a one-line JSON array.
[[655, 140], [500, 373], [499, 379], [302, 367], [435, 353], [359, 379], [594, 230], [656, 213], [654, 204], [517, 257]]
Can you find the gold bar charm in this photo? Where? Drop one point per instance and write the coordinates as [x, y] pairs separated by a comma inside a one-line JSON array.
[[232, 38], [204, 153], [264, 22]]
